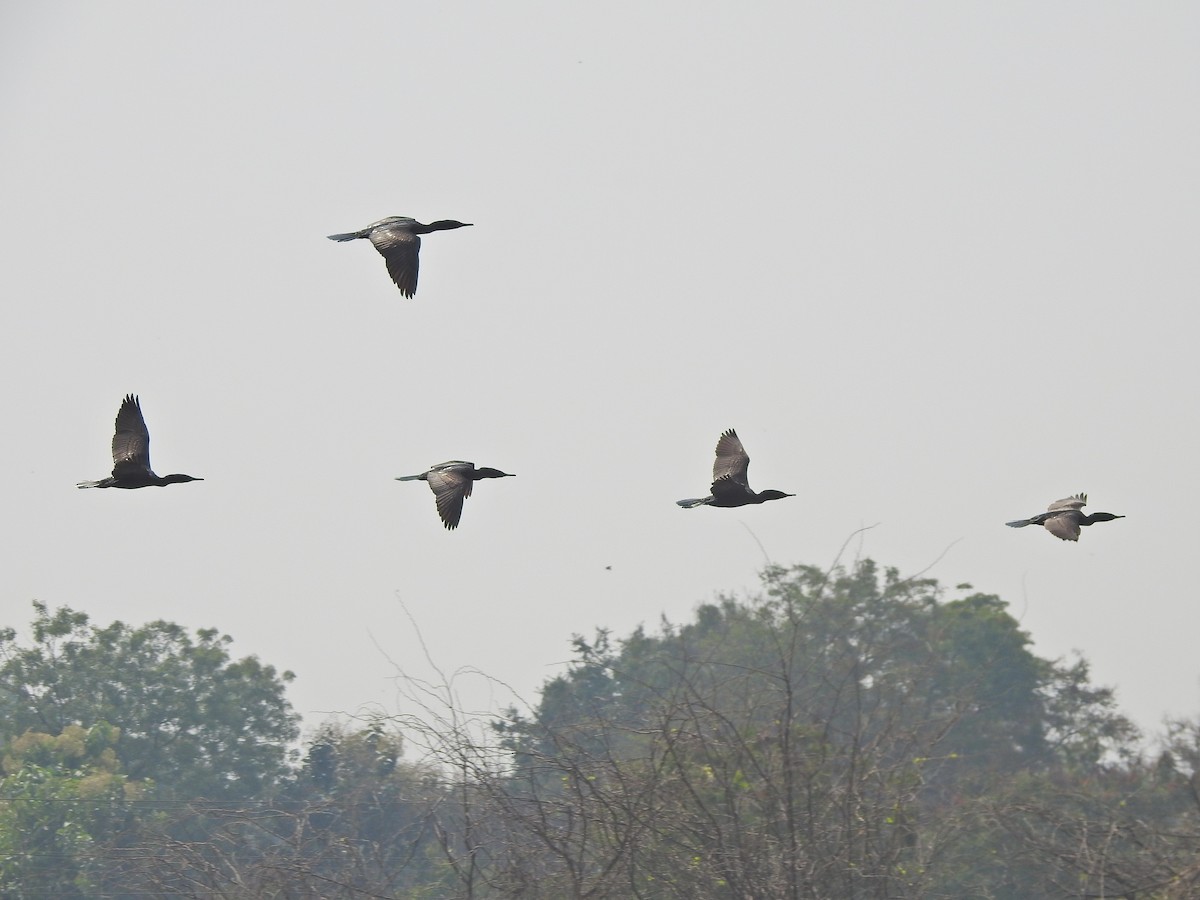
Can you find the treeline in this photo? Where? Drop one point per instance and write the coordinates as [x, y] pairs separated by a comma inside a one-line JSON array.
[[844, 734]]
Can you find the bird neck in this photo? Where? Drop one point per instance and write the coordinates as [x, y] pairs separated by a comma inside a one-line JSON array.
[[771, 495], [177, 479], [488, 473], [439, 225]]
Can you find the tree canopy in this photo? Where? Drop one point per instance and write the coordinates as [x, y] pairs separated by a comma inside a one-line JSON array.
[[191, 720], [847, 733], [811, 741]]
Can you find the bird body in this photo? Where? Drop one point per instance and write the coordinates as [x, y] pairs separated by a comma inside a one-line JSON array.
[[451, 483], [131, 453], [730, 485], [397, 238], [1063, 518]]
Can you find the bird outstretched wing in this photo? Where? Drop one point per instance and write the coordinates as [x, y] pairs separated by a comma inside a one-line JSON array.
[[732, 460], [1078, 501], [131, 441], [450, 488], [1064, 526], [400, 250]]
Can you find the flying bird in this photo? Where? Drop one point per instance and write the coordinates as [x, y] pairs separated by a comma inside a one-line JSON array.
[[730, 487], [451, 484], [1063, 518], [397, 238], [131, 453]]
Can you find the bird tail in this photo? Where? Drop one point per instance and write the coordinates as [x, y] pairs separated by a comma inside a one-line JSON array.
[[409, 477], [1018, 523], [694, 502], [88, 484], [350, 235]]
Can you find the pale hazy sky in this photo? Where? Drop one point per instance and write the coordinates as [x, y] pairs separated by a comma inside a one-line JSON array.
[[937, 263]]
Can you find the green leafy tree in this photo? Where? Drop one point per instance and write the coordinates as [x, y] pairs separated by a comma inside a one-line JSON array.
[[359, 792], [194, 721], [355, 822], [1122, 828], [60, 797], [831, 737]]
